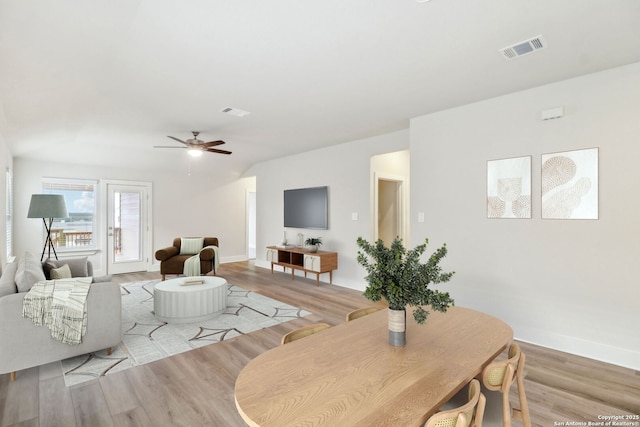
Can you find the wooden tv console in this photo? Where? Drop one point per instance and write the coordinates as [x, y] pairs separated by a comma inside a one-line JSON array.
[[297, 258]]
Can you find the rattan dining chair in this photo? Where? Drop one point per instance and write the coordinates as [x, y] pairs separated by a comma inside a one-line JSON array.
[[499, 376], [305, 331], [361, 312], [468, 415]]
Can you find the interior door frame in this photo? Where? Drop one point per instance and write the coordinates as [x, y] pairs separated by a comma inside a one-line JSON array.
[[146, 220]]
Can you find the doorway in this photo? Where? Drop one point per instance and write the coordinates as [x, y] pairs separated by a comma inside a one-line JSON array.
[[251, 224], [389, 197], [389, 226], [389, 210], [127, 227]]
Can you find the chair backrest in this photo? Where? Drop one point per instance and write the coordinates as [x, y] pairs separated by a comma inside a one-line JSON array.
[[498, 376], [467, 415], [361, 312], [303, 332], [208, 241]]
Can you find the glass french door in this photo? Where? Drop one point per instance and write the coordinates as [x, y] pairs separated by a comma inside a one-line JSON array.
[[127, 228]]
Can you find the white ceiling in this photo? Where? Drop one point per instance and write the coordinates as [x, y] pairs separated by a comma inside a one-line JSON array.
[[103, 81]]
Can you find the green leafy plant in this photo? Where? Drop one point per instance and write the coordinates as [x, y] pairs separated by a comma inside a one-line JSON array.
[[397, 275], [313, 241]]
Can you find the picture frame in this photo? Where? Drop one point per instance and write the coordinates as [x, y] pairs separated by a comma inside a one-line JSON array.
[[569, 184], [509, 188]]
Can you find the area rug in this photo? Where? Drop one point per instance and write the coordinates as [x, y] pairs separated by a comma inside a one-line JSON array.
[[146, 339]]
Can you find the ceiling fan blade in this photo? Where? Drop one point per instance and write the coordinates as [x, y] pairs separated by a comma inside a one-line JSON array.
[[168, 146], [176, 139], [212, 143], [214, 150]]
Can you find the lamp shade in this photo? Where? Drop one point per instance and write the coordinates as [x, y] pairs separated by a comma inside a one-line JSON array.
[[47, 206]]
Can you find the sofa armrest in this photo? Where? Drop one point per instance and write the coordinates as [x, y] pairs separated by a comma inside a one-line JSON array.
[[166, 253], [25, 345]]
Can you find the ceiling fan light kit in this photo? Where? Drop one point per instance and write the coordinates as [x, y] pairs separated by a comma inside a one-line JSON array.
[[195, 152]]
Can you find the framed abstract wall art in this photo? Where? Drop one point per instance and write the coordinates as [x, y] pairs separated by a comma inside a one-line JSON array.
[[509, 188], [569, 184]]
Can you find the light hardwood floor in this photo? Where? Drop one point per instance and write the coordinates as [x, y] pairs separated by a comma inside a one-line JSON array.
[[196, 388]]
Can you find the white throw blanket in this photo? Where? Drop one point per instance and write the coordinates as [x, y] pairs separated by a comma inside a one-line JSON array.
[[192, 264], [61, 305]]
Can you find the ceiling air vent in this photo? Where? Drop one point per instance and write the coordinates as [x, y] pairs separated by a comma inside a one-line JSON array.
[[528, 46], [235, 111]]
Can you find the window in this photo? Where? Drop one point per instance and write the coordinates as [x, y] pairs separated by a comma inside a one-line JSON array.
[[9, 212], [77, 231]]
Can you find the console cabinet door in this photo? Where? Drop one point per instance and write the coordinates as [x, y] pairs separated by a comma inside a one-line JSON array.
[[272, 255], [312, 263]]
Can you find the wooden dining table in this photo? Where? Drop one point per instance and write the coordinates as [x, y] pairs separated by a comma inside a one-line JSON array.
[[348, 375]]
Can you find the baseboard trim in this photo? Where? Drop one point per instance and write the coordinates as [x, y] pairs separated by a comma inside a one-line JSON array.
[[235, 258], [627, 358]]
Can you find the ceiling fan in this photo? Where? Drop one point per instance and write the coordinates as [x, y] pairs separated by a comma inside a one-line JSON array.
[[196, 146]]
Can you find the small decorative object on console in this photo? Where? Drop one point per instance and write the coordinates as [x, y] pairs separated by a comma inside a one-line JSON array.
[[313, 243]]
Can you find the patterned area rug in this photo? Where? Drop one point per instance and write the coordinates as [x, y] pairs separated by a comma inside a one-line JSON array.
[[145, 339]]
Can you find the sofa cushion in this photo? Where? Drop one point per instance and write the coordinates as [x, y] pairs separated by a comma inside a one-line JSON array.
[[7, 280], [63, 272], [191, 246], [29, 272], [78, 266]]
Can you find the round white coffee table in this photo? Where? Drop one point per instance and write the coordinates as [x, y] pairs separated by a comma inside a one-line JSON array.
[[174, 302]]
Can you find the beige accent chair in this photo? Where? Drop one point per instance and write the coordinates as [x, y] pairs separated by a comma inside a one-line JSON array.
[[303, 332], [172, 262], [361, 312], [469, 414], [498, 376]]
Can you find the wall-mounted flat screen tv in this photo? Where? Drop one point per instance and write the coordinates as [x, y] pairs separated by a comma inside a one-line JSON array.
[[307, 208]]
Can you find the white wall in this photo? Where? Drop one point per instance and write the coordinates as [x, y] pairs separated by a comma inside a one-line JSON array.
[[183, 205], [567, 284], [345, 169], [397, 163]]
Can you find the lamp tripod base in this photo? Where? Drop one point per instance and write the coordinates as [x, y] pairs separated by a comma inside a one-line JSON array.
[[48, 243]]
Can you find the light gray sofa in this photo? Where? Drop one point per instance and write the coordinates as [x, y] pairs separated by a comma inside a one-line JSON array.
[[24, 345]]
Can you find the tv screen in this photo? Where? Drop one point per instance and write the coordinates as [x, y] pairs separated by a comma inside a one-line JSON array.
[[306, 208]]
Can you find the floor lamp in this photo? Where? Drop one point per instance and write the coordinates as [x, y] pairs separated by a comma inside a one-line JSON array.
[[47, 206]]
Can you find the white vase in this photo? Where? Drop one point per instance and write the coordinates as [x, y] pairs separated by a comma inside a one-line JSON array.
[[312, 248], [397, 327]]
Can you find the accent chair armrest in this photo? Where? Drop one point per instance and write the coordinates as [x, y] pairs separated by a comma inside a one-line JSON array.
[[166, 253], [207, 254]]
